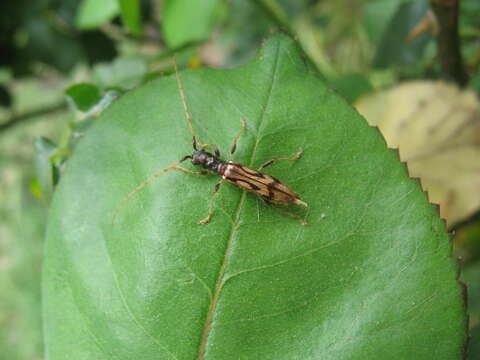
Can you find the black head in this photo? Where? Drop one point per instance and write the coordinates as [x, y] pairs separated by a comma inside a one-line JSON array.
[[200, 157], [206, 160]]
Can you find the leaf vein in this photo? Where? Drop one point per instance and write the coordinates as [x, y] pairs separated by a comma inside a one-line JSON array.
[[221, 276]]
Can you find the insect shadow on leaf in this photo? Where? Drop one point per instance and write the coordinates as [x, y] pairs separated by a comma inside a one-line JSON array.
[[268, 188]]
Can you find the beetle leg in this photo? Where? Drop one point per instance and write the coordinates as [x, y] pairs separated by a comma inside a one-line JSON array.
[[210, 204], [235, 139], [297, 156]]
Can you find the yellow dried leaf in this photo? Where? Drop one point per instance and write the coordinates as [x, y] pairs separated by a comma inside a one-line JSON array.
[[436, 127]]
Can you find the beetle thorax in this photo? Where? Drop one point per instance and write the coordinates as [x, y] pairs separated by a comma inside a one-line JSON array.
[[206, 160]]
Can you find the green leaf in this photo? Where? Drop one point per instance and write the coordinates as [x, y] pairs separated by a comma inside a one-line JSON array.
[[188, 21], [44, 167], [122, 72], [83, 95], [92, 13], [371, 278], [351, 86], [131, 16]]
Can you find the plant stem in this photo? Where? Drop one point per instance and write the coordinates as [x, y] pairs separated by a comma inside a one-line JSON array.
[[14, 120], [446, 12]]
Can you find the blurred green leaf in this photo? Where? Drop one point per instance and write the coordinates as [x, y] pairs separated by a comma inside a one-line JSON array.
[[351, 86], [83, 95], [371, 278], [64, 11], [474, 343], [394, 48], [188, 21], [5, 75], [44, 168], [35, 188], [237, 42], [376, 15], [467, 243], [47, 44], [122, 72], [93, 13], [469, 11], [131, 16], [470, 276], [475, 82]]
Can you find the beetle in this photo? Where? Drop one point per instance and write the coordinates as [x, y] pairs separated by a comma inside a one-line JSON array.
[[266, 187]]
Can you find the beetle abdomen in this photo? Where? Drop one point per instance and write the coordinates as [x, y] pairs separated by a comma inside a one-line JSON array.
[[265, 186]]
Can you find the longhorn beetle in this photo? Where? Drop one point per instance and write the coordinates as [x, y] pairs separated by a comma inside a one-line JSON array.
[[266, 187]]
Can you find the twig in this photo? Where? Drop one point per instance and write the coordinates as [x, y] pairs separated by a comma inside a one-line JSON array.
[[32, 115], [446, 12]]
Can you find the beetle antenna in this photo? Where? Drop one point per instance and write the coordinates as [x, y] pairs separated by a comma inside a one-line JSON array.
[[152, 178], [188, 116]]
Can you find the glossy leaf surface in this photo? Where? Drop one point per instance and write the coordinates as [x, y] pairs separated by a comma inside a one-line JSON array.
[[371, 278]]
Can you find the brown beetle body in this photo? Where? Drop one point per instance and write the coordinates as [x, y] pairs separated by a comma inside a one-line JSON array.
[[268, 188]]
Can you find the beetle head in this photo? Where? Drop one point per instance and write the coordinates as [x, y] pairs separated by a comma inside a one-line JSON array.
[[200, 156]]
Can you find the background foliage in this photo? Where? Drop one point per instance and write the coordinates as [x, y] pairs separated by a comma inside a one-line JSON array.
[[64, 62]]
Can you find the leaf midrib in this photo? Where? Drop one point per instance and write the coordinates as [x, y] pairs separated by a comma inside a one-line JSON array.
[[221, 275]]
